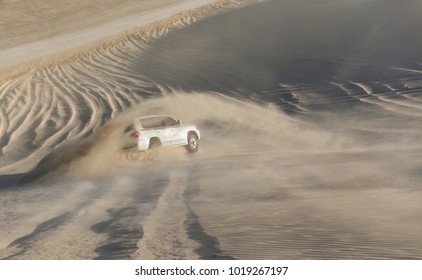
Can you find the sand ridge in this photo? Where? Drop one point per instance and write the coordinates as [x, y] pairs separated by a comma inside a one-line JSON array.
[[41, 48]]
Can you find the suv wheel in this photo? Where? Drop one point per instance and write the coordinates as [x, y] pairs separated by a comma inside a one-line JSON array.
[[193, 144]]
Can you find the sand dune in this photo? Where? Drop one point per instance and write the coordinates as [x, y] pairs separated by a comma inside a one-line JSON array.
[[311, 144], [72, 100]]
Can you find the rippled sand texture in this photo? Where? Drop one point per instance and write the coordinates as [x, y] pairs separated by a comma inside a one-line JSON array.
[[310, 113]]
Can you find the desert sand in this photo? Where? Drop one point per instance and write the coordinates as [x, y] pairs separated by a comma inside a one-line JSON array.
[[310, 114]]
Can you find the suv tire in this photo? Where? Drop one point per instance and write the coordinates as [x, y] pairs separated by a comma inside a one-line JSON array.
[[193, 145]]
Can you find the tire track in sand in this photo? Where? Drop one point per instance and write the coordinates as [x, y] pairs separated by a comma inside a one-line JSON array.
[[173, 230]]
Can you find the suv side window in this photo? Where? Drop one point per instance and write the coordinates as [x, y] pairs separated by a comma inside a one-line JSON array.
[[170, 121], [153, 122]]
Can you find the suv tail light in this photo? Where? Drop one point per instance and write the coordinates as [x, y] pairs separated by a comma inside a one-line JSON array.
[[135, 134]]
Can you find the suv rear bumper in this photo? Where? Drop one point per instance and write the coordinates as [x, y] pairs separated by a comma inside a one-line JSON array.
[[143, 144]]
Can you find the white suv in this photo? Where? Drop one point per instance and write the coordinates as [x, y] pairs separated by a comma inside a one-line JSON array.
[[154, 131]]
